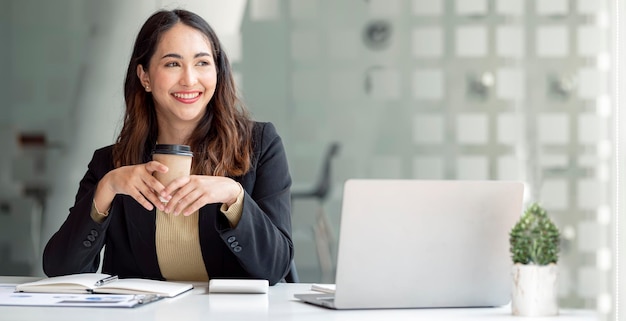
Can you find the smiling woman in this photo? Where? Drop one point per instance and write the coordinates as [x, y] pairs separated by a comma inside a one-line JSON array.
[[181, 76], [235, 205]]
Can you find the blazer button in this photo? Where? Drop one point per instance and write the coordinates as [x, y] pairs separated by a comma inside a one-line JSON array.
[[231, 239], [87, 243], [233, 244], [237, 249], [94, 233], [91, 237]]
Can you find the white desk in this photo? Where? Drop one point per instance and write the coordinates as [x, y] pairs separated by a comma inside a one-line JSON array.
[[279, 304]]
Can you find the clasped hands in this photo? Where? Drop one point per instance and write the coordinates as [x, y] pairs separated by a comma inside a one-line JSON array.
[[184, 195]]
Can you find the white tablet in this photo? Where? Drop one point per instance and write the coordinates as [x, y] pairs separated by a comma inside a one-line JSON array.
[[238, 286]]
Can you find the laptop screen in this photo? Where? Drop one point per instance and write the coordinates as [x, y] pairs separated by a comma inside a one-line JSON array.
[[426, 243]]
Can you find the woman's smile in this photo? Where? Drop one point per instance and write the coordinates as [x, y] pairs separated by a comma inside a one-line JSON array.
[[188, 97]]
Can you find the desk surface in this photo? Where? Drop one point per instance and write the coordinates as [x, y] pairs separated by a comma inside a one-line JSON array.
[[279, 304]]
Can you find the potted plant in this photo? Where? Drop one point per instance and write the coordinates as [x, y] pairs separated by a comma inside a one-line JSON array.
[[535, 251]]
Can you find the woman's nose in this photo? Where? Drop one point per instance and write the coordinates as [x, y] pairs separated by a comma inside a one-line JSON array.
[[189, 77]]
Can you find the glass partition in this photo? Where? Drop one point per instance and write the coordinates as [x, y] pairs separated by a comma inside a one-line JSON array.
[[491, 89]]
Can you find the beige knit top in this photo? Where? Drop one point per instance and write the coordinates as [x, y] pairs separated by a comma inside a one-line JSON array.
[[178, 244]]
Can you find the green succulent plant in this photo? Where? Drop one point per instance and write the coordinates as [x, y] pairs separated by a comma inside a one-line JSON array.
[[534, 238]]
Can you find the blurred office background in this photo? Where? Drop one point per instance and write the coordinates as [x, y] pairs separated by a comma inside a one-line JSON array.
[[429, 89]]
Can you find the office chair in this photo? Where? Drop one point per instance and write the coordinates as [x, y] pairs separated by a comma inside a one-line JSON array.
[[322, 230]]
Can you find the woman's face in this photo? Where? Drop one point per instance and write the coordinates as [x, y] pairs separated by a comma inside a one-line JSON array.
[[182, 75]]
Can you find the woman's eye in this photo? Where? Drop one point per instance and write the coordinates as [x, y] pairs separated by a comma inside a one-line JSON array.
[[204, 63], [171, 64]]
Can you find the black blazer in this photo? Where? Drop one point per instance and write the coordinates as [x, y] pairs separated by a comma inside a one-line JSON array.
[[260, 246]]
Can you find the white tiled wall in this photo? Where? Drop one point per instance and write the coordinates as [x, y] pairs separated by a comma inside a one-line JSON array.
[[461, 89], [471, 41], [552, 7], [471, 7], [428, 84], [427, 8], [428, 42]]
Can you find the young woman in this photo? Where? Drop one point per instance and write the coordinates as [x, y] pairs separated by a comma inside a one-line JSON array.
[[229, 219]]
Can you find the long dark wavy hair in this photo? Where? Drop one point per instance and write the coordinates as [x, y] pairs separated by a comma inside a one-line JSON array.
[[222, 140]]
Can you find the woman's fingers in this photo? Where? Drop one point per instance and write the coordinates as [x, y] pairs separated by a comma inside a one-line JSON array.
[[154, 166], [142, 200], [150, 196], [151, 186], [137, 182], [190, 193], [187, 203], [169, 190]]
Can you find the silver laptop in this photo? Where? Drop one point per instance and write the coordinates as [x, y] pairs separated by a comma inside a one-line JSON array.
[[423, 244]]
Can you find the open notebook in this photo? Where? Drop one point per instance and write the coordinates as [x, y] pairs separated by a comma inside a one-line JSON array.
[[423, 244], [76, 300], [103, 283]]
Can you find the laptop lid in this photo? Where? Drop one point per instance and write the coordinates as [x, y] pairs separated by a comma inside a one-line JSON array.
[[420, 243]]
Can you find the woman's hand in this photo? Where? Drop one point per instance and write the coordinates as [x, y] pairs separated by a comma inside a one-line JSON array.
[[188, 194], [136, 181]]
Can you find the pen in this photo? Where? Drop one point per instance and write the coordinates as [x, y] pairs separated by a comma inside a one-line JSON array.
[[147, 298], [106, 280]]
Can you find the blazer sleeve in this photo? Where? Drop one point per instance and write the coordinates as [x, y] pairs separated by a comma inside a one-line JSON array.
[[76, 246], [261, 241]]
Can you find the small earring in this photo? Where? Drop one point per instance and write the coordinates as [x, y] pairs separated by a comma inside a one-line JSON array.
[[147, 87]]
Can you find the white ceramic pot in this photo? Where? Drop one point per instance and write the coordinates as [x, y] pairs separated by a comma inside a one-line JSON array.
[[534, 291]]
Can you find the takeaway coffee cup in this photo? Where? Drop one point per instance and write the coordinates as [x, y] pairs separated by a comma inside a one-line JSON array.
[[176, 157]]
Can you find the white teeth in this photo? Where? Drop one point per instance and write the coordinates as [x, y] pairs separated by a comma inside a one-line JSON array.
[[186, 96]]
